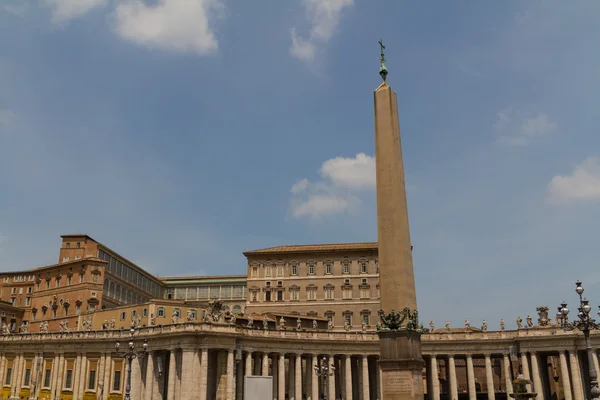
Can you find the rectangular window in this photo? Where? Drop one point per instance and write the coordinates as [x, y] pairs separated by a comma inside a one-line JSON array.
[[145, 312], [68, 245], [14, 290], [254, 296], [348, 319], [177, 312], [8, 376], [69, 379], [160, 312], [294, 269], [78, 245], [47, 376], [28, 301], [365, 319], [329, 294], [328, 268], [363, 268], [347, 294], [92, 380], [311, 269], [254, 272], [117, 381], [268, 271], [27, 377], [280, 295], [364, 293], [122, 315], [203, 292], [346, 268], [312, 294], [295, 295], [29, 290], [280, 270], [267, 296]]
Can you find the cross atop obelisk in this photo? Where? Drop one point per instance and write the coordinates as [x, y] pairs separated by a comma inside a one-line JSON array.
[[383, 69], [400, 358]]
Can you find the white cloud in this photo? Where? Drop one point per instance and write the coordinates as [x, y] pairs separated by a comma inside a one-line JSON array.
[[65, 10], [337, 192], [516, 129], [175, 25], [324, 17], [302, 49], [582, 185]]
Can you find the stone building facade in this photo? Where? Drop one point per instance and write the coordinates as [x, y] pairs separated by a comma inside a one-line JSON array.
[[336, 281]]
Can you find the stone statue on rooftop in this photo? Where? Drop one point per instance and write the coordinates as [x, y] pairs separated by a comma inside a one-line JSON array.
[[431, 326], [282, 324], [484, 326], [298, 324], [265, 323], [519, 322], [502, 325], [314, 324], [448, 326], [529, 321], [250, 323], [467, 324]]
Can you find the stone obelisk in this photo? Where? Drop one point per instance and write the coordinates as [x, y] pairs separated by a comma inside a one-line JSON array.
[[400, 358]]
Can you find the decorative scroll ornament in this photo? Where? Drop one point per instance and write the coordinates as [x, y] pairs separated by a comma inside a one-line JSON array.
[[404, 320]]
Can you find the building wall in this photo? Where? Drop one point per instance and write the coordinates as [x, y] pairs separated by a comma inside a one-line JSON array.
[[336, 285]]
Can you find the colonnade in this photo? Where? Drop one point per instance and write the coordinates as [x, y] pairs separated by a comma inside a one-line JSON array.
[[209, 361], [219, 374]]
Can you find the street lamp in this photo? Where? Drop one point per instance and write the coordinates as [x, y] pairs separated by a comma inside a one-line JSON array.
[[584, 323], [130, 355], [324, 371]]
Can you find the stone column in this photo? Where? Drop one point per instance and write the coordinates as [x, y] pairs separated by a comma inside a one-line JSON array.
[[291, 377], [298, 371], [99, 374], [507, 374], [564, 375], [576, 375], [489, 377], [471, 378], [136, 377], [275, 373], [435, 379], [16, 381], [525, 368], [537, 379], [76, 375], [331, 378], [54, 375], [595, 358], [83, 377], [365, 377], [187, 374], [248, 369], [230, 374], [452, 372], [314, 387], [61, 369], [149, 380], [171, 385], [107, 376], [348, 377], [281, 377], [203, 374], [265, 364]]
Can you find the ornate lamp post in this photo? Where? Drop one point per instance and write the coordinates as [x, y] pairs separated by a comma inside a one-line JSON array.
[[584, 323], [324, 370], [130, 355]]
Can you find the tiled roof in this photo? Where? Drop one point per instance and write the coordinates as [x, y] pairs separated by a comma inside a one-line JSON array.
[[310, 248]]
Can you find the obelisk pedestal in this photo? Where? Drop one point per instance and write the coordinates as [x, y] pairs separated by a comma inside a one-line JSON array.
[[400, 357]]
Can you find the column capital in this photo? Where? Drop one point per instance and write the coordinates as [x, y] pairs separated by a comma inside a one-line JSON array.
[[469, 355]]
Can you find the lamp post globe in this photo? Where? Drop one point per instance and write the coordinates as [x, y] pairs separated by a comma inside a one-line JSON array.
[[585, 323]]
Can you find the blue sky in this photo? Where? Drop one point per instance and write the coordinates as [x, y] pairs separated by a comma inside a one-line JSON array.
[[182, 133]]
